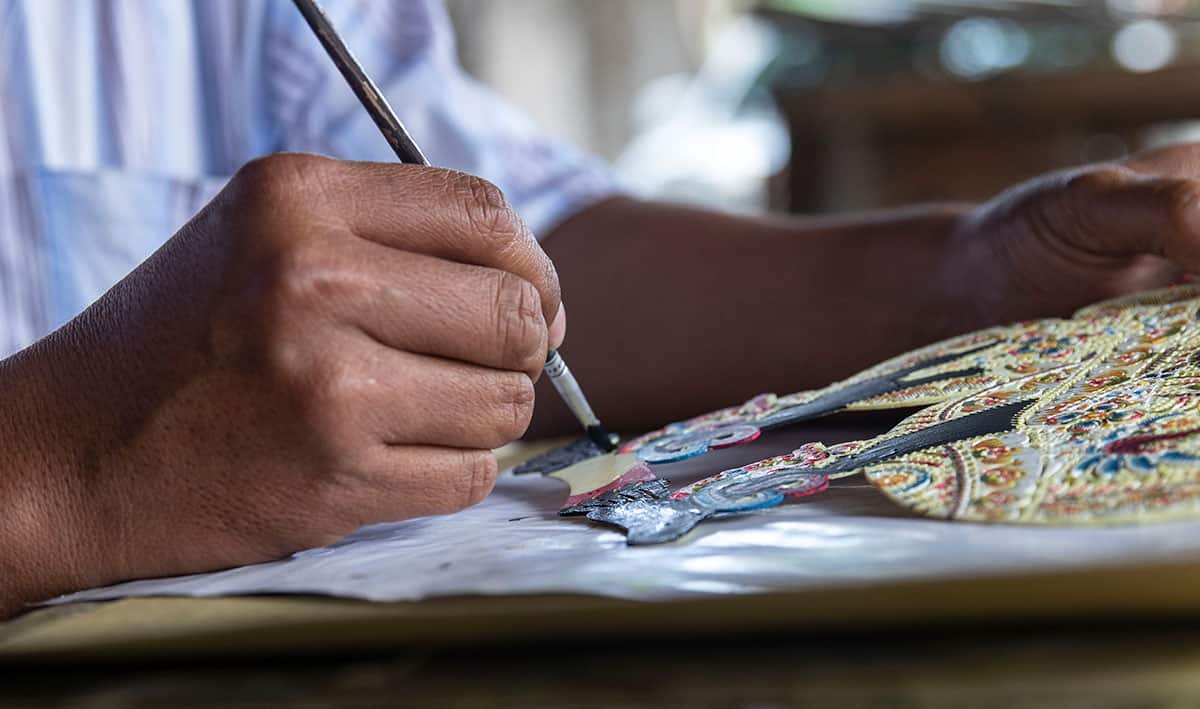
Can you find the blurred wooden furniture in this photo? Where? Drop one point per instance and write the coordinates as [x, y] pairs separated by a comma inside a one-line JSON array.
[[867, 137]]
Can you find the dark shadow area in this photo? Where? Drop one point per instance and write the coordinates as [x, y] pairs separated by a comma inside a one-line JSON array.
[[1113, 665]]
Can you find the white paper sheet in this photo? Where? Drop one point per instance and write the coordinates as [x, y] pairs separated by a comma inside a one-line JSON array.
[[515, 543]]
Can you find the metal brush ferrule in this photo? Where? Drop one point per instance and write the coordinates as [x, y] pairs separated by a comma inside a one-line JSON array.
[[566, 386]]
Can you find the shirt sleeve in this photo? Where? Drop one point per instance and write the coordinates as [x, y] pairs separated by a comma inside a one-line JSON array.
[[407, 47]]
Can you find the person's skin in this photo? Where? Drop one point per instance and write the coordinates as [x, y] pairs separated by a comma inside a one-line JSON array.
[[676, 311], [326, 345], [330, 344]]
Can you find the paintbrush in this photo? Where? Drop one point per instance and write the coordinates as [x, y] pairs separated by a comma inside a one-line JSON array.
[[407, 151]]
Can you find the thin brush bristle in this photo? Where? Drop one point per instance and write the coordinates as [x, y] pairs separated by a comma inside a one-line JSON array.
[[603, 439]]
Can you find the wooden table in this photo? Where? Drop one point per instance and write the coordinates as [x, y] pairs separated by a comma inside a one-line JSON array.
[[1112, 665]]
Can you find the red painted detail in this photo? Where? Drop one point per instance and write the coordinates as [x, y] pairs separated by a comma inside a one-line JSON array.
[[1137, 444], [737, 442], [805, 492], [638, 473]]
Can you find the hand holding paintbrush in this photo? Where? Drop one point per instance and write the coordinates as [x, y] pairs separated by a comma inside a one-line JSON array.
[[408, 152]]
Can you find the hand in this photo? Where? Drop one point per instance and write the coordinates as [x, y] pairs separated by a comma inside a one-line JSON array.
[[326, 345], [1062, 241]]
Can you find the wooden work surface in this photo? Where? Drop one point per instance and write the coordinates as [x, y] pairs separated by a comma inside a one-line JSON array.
[[1102, 637], [1034, 662]]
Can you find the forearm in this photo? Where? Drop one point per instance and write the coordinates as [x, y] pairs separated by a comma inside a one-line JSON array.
[[675, 311]]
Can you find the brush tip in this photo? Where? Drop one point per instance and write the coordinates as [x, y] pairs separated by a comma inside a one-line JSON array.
[[606, 441]]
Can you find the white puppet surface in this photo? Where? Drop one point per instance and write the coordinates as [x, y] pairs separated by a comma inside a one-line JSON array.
[[516, 543]]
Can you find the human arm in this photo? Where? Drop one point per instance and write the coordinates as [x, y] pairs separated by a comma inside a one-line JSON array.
[[714, 308]]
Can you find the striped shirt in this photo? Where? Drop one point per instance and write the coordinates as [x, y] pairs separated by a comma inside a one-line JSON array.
[[121, 118]]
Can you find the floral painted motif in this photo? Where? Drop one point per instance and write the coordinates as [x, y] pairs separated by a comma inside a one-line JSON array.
[[1106, 380], [1110, 444], [1125, 450], [990, 400], [1160, 333], [691, 443], [1038, 345], [905, 480], [1001, 477], [1094, 420], [936, 374], [1134, 356], [993, 501], [743, 414], [991, 451], [1104, 414]]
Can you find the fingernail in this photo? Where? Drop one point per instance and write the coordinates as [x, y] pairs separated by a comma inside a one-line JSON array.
[[558, 328]]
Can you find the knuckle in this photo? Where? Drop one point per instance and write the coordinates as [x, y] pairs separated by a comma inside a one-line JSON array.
[[279, 178], [329, 384], [479, 471], [278, 306], [318, 389], [1081, 189], [497, 410], [323, 394], [490, 217], [303, 275], [286, 362], [1181, 198], [517, 399], [519, 328], [1074, 203], [1073, 214], [1087, 183]]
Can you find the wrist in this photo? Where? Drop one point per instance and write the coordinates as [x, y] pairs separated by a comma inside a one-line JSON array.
[[47, 544], [976, 274], [918, 270]]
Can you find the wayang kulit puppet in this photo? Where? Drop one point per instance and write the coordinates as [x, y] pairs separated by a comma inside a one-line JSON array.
[[1090, 420]]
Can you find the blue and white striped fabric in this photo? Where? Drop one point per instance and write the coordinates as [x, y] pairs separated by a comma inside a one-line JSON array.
[[121, 118]]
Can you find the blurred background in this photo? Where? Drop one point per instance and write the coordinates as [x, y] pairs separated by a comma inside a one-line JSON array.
[[826, 105]]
